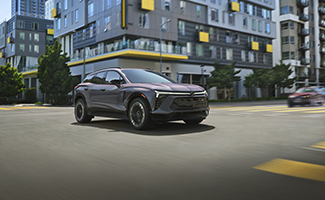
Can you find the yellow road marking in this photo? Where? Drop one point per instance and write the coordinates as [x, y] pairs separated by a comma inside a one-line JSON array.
[[300, 110], [21, 108], [316, 111], [320, 145], [6, 109], [294, 168]]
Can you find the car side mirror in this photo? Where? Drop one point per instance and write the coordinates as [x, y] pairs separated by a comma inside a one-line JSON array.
[[116, 82]]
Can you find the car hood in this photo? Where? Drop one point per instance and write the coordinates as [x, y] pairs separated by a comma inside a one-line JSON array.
[[175, 87]]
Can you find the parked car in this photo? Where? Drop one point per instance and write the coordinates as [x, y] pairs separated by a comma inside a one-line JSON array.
[[139, 95], [305, 95], [322, 91]]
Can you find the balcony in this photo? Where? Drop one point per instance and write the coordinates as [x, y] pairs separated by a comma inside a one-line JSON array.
[[26, 69], [322, 23], [322, 50], [305, 61], [321, 10], [322, 63], [304, 17], [303, 32], [322, 36], [141, 48], [302, 76], [302, 3], [304, 47]]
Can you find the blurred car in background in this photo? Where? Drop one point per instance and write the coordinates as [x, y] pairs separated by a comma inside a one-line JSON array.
[[322, 90], [306, 95]]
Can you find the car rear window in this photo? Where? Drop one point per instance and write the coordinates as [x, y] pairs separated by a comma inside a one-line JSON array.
[[144, 76]]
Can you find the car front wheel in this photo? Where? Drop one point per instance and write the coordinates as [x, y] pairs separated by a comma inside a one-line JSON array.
[[80, 112], [139, 114]]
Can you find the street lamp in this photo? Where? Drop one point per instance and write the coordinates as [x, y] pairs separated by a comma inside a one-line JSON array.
[[167, 21]]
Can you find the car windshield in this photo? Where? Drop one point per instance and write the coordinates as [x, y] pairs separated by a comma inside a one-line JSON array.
[[144, 76], [303, 90]]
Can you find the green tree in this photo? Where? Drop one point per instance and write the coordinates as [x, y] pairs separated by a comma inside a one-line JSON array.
[[260, 78], [280, 76], [54, 74], [11, 82], [223, 77]]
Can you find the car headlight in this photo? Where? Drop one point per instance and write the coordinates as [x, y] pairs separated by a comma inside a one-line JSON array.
[[292, 96]]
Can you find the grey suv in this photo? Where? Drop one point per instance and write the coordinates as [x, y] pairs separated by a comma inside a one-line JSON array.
[[139, 95]]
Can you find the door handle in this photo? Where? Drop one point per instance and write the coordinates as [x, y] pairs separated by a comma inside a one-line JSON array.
[[86, 89], [103, 89]]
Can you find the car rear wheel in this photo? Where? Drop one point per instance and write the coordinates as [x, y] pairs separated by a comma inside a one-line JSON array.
[[80, 112], [139, 114], [193, 121]]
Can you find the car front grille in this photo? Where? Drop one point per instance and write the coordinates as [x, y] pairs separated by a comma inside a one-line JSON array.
[[188, 103], [160, 100]]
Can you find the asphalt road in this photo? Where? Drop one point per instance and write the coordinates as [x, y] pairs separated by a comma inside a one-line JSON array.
[[46, 155]]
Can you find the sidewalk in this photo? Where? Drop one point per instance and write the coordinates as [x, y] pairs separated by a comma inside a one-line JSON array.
[[249, 103]]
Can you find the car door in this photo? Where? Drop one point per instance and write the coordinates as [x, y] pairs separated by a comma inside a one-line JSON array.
[[96, 89], [110, 96]]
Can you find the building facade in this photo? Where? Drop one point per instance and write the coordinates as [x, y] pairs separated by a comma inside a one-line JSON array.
[[31, 8], [300, 39], [25, 41], [195, 34], [49, 5]]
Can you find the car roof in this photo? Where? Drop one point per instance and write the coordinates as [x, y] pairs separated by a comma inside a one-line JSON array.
[[116, 68]]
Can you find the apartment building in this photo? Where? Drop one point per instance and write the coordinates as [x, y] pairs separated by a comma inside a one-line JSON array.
[[49, 6], [300, 40], [194, 35], [31, 8], [25, 39]]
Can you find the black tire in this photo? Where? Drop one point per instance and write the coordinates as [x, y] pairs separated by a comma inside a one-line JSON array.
[[139, 114], [193, 121], [80, 112], [290, 104]]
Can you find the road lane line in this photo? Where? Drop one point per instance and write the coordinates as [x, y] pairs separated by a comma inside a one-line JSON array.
[[6, 109], [320, 145], [316, 111], [300, 110], [294, 168]]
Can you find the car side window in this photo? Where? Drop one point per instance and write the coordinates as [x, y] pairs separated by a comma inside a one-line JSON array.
[[99, 78], [88, 78], [114, 77]]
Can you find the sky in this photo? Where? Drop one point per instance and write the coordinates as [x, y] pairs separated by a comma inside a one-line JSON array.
[[5, 10]]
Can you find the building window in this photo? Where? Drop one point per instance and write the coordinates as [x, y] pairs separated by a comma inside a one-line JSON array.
[[213, 1], [22, 35], [36, 49], [182, 5], [220, 50], [236, 38], [285, 40], [118, 2], [22, 47], [291, 25], [228, 36], [211, 34], [231, 19], [58, 24], [107, 23], [98, 27], [199, 50], [250, 9], [77, 15], [35, 26], [217, 34], [256, 57], [36, 37], [228, 54], [30, 37], [65, 21], [292, 55], [266, 59], [165, 26], [65, 4], [166, 5], [292, 40], [251, 56], [108, 3], [254, 24], [198, 11], [213, 52], [49, 39], [284, 25], [72, 17], [143, 20], [244, 22], [286, 10], [181, 27], [30, 48], [189, 48], [118, 14], [214, 15], [91, 9], [285, 55], [259, 24], [20, 24], [267, 27], [91, 31], [243, 55]]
